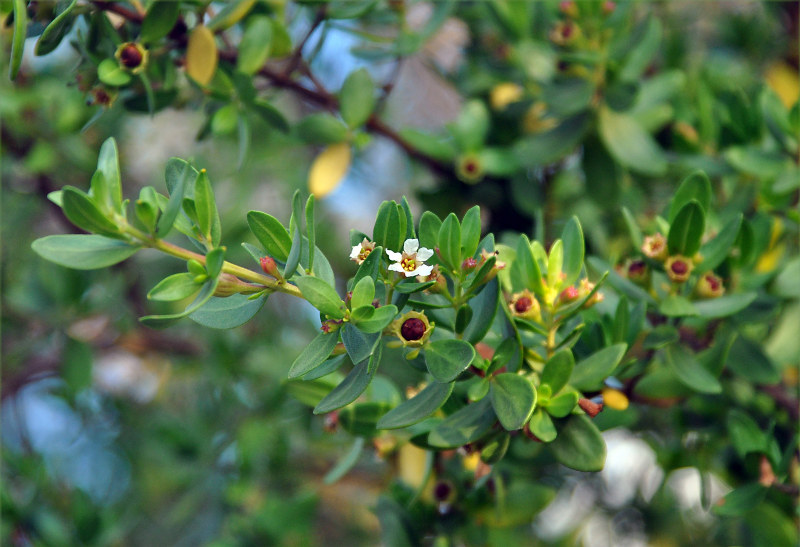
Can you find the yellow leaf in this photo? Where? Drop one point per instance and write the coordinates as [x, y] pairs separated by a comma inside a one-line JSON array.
[[201, 55], [328, 169], [615, 399], [783, 80]]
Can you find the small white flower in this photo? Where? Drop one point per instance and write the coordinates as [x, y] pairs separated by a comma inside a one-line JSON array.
[[361, 251], [411, 261]]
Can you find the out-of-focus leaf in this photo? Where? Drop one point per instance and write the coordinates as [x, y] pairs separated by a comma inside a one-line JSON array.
[[630, 144], [83, 252]]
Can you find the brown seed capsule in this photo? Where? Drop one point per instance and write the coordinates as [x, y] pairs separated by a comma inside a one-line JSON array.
[[132, 57], [412, 329]]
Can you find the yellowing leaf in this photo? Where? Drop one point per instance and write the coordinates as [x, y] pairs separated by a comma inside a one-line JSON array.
[[201, 55], [782, 78], [328, 169], [615, 399]]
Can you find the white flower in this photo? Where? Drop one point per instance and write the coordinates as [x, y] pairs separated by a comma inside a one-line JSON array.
[[411, 261], [361, 251]]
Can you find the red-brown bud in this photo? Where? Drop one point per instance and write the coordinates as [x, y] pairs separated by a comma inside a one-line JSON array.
[[589, 407]]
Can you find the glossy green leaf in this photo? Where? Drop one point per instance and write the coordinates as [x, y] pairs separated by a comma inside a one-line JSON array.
[[694, 187], [270, 114], [108, 164], [429, 225], [389, 230], [686, 230], [484, 307], [715, 251], [215, 259], [177, 176], [572, 236], [741, 500], [321, 128], [206, 208], [513, 399], [463, 426], [357, 98], [630, 144], [255, 45], [175, 287], [633, 228], [163, 321], [20, 10], [327, 367], [371, 266], [229, 312], [295, 252], [58, 28], [83, 252], [81, 210], [526, 268], [271, 234], [579, 445], [160, 19], [542, 426], [555, 263], [314, 354], [558, 369], [419, 407], [561, 405], [375, 320], [359, 345], [589, 373], [724, 306], [677, 306], [690, 372], [352, 386], [470, 231], [446, 359], [644, 49], [321, 295], [621, 284], [231, 13], [363, 293]]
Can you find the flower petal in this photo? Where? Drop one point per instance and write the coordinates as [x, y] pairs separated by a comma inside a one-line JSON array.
[[396, 267], [411, 246], [393, 256], [424, 254], [355, 252], [422, 269]]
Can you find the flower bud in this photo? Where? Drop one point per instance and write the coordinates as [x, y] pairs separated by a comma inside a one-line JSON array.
[[586, 287], [638, 272], [132, 57], [679, 268], [469, 168], [469, 264], [504, 94], [609, 7], [709, 286], [269, 267], [570, 294], [655, 247], [568, 8], [565, 33], [591, 408]]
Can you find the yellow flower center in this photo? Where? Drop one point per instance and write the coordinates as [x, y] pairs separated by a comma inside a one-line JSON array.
[[408, 263]]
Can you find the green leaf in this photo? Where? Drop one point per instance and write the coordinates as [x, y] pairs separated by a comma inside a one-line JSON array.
[[449, 238], [562, 404], [346, 463], [419, 407], [572, 236], [694, 187], [215, 259], [686, 230], [410, 285], [229, 312], [110, 73], [311, 231], [176, 175], [370, 267], [748, 360], [542, 426], [108, 164], [357, 98], [389, 230], [20, 10], [558, 369], [484, 307], [746, 435], [162, 321], [377, 320], [352, 386], [621, 284], [434, 146], [271, 234], [175, 287], [54, 32], [785, 284], [363, 293], [531, 273], [83, 252], [555, 262], [81, 210], [206, 208], [471, 126], [463, 426], [690, 372], [589, 373], [677, 306], [579, 445], [270, 114], [321, 295], [513, 399], [741, 500], [470, 232], [321, 128], [550, 146], [159, 20], [715, 251], [230, 14], [429, 225], [642, 52], [633, 228], [660, 337], [255, 45], [446, 359], [630, 144], [295, 252], [327, 367], [314, 354], [359, 345], [724, 306]]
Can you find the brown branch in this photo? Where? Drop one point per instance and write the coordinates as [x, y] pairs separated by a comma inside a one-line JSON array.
[[297, 54]]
